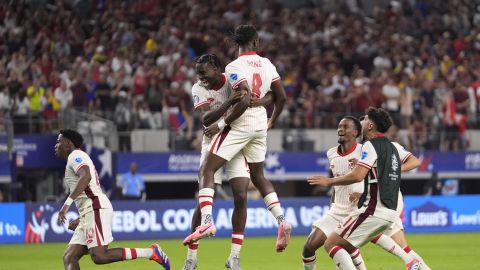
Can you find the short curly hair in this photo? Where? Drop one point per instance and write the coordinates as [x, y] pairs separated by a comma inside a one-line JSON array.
[[356, 123], [75, 137], [210, 58], [244, 34], [381, 118]]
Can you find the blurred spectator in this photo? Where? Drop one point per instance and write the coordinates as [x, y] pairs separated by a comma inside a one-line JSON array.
[[133, 187], [122, 118], [352, 56], [64, 95]]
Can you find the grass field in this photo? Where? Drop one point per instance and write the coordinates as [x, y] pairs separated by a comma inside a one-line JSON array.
[[440, 251]]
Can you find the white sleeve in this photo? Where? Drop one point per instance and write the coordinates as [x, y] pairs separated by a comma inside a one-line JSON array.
[[402, 152], [368, 156], [76, 161], [235, 74], [199, 96]]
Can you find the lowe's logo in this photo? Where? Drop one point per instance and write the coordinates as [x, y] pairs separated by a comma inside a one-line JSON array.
[[429, 215]]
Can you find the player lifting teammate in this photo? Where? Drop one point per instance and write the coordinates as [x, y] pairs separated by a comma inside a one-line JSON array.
[[244, 129], [93, 233]]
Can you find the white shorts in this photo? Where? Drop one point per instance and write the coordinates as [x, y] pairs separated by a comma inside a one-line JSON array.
[[229, 142], [359, 229], [94, 229], [328, 223], [397, 223], [236, 167]]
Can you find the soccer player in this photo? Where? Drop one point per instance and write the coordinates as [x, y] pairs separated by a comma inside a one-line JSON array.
[[93, 233], [342, 160], [244, 129], [212, 95], [379, 165]]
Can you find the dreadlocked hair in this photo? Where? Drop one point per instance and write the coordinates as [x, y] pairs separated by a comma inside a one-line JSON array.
[[244, 34]]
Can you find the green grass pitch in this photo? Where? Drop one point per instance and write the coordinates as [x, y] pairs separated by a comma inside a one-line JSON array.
[[441, 251]]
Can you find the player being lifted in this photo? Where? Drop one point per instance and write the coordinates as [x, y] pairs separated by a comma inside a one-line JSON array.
[[212, 95], [244, 129], [379, 165], [93, 233]]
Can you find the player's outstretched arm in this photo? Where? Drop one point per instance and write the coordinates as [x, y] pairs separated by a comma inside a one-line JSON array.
[[242, 105], [212, 116], [355, 176], [280, 98], [411, 163]]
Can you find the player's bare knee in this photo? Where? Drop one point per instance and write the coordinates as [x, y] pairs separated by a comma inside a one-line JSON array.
[[240, 198], [69, 258], [98, 258]]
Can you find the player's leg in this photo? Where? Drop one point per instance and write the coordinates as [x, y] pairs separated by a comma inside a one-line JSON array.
[[315, 240], [399, 238], [339, 250], [191, 260], [223, 148], [321, 228], [239, 218], [99, 235], [72, 256], [255, 153], [388, 244], [355, 231]]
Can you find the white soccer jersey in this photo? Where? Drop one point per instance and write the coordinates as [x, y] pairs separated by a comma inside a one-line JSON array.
[[93, 196], [214, 97], [342, 165], [259, 73], [369, 160]]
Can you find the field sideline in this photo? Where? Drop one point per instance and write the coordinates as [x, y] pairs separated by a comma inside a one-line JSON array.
[[441, 251]]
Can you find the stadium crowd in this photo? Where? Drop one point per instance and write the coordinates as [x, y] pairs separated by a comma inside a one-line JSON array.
[[131, 61]]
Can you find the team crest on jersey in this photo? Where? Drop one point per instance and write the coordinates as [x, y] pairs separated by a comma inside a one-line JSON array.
[[196, 98], [394, 162], [233, 76], [364, 155], [78, 160]]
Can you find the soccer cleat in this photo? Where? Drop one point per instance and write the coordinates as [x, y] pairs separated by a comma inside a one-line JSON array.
[[413, 265], [284, 231], [159, 256], [233, 263], [190, 264], [200, 232]]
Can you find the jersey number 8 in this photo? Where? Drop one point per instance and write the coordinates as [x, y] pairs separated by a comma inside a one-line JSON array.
[[256, 84]]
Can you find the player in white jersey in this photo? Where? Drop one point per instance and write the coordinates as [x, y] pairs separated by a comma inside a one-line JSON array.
[[212, 95], [244, 129], [342, 160], [93, 233], [379, 166]]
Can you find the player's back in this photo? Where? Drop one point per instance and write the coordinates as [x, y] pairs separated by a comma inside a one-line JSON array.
[[92, 197], [259, 73], [342, 164]]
